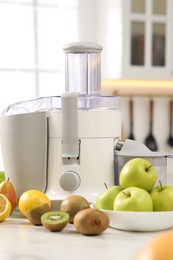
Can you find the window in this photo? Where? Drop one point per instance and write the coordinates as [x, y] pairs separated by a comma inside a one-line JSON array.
[[33, 33]]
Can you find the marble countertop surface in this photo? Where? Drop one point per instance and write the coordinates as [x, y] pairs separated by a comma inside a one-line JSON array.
[[21, 240]]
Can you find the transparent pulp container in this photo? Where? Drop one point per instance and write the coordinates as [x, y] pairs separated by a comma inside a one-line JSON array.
[[133, 149], [159, 163]]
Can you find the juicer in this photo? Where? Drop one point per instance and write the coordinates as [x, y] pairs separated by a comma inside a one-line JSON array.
[[64, 145], [70, 144]]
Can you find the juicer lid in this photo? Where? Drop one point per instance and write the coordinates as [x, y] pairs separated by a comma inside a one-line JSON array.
[[53, 103]]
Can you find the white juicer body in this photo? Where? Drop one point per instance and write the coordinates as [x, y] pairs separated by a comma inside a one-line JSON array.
[[87, 173], [31, 146]]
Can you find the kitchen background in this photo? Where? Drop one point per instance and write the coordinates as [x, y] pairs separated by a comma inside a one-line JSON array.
[[137, 58]]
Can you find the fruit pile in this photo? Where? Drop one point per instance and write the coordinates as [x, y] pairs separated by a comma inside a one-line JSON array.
[[137, 190], [75, 209], [36, 207]]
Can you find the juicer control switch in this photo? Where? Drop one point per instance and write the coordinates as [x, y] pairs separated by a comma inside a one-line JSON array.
[[70, 181]]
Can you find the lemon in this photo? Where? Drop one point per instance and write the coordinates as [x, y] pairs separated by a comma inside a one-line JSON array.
[[31, 199], [5, 207]]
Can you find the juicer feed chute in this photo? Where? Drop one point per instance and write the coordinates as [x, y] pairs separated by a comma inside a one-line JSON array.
[[83, 68]]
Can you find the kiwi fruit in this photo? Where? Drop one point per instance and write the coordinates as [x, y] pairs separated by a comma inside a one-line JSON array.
[[55, 220], [73, 204], [91, 221], [34, 215]]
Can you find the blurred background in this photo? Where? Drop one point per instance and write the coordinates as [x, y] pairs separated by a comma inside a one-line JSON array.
[[137, 58]]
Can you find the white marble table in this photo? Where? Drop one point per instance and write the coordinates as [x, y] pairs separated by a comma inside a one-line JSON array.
[[22, 241]]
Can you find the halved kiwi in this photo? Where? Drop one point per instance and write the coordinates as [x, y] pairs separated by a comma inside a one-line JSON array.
[[34, 215], [55, 220]]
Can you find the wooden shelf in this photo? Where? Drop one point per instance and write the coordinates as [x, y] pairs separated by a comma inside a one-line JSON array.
[[130, 87]]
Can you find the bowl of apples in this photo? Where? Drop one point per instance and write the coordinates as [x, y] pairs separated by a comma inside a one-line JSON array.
[[139, 202]]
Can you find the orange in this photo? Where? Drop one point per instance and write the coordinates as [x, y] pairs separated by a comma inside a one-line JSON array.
[[31, 199], [159, 248], [5, 207]]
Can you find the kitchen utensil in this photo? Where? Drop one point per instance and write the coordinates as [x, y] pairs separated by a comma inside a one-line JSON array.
[[131, 135], [150, 141], [170, 138], [64, 145]]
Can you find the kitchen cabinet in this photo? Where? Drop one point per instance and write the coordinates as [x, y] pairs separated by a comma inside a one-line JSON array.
[[143, 40], [147, 30]]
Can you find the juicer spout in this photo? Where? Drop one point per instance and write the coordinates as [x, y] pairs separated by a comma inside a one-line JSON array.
[[118, 144], [135, 149]]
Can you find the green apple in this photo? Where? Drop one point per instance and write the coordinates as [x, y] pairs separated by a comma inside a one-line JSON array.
[[2, 176], [106, 198], [138, 172], [162, 196], [133, 199]]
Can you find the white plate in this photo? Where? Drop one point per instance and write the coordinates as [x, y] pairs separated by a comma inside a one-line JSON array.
[[140, 221]]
